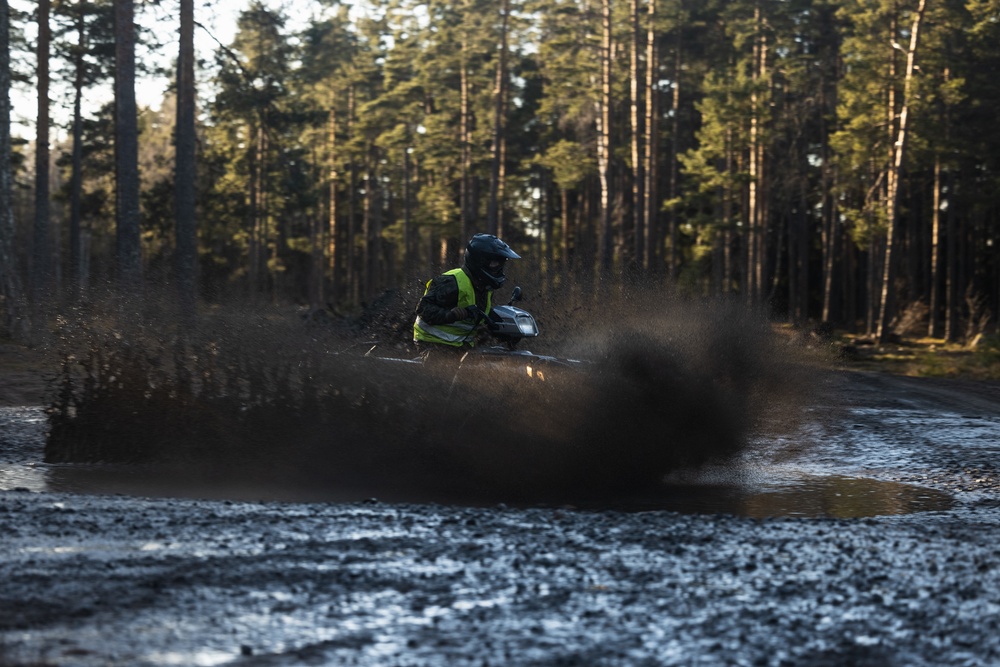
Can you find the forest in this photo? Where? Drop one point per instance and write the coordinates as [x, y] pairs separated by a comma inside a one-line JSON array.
[[835, 162]]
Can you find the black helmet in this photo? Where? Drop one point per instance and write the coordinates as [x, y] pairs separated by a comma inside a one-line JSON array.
[[485, 257]]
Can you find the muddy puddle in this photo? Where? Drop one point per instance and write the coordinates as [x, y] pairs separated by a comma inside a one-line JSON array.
[[809, 496], [806, 496], [754, 490]]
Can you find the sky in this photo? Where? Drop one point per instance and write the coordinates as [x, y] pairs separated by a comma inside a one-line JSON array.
[[218, 21]]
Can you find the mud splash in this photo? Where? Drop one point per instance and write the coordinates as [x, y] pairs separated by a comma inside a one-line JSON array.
[[671, 385], [750, 490]]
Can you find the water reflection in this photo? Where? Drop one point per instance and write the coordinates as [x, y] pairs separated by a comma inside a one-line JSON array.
[[830, 496], [846, 498]]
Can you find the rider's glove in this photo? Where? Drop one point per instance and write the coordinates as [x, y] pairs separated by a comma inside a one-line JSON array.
[[466, 313]]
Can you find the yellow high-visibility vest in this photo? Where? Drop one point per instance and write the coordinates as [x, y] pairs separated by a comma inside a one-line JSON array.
[[460, 332]]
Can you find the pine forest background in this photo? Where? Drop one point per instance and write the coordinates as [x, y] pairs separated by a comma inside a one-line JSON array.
[[834, 161]]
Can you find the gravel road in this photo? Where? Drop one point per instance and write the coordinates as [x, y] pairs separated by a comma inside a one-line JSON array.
[[868, 536]]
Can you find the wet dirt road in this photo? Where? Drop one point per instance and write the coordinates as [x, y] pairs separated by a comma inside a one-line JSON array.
[[119, 580]]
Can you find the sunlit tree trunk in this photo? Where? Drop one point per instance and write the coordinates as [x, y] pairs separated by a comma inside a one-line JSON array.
[[493, 222], [651, 230], [938, 298], [639, 142], [407, 213], [755, 205], [604, 144], [465, 137], [895, 171], [875, 293], [353, 273]]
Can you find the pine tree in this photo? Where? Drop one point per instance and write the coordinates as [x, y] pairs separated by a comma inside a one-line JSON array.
[[84, 39]]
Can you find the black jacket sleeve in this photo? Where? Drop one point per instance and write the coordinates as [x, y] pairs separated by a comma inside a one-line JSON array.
[[442, 295]]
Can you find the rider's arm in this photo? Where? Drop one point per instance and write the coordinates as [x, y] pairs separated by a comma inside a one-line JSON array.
[[436, 305]]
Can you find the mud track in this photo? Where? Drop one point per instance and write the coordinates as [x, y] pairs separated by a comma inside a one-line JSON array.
[[118, 580]]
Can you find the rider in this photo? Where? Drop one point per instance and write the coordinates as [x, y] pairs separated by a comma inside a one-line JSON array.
[[457, 301]]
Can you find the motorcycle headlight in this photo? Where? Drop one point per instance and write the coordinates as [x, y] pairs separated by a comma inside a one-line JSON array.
[[527, 326]]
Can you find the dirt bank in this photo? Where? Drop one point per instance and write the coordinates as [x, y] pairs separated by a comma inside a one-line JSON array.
[[118, 580]]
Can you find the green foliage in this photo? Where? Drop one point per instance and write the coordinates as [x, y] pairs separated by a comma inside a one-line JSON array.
[[329, 152], [569, 162]]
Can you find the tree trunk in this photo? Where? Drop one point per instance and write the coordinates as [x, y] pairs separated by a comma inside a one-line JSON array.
[[672, 181], [604, 145], [953, 275], [801, 267], [939, 266], [407, 214], [76, 277], [354, 270], [186, 266], [567, 256], [379, 257], [258, 214], [333, 266], [367, 222], [317, 225], [465, 138], [126, 150], [41, 265], [728, 224], [493, 223], [11, 307], [895, 171], [353, 280], [935, 326], [638, 141], [651, 245], [831, 246], [755, 206], [253, 219]]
